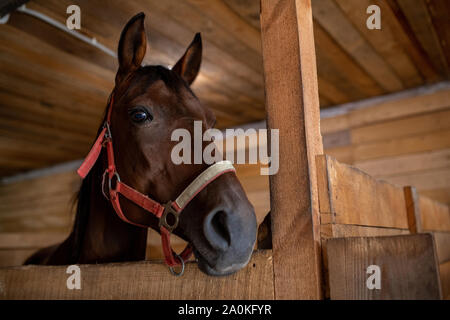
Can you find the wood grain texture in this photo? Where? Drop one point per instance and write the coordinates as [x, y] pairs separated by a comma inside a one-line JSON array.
[[332, 230], [138, 281], [434, 216], [442, 240], [50, 77], [409, 269], [334, 21], [424, 180], [406, 164], [292, 105], [390, 108], [437, 10], [413, 209], [357, 198], [348, 230], [407, 39], [444, 270], [405, 127], [420, 21], [383, 41]]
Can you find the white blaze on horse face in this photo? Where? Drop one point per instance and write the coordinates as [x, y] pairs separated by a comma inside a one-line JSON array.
[[212, 153]]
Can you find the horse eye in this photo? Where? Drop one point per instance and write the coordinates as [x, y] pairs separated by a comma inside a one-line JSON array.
[[139, 116]]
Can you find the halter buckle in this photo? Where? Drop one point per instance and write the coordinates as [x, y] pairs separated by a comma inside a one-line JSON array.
[[163, 220], [109, 184], [108, 134]]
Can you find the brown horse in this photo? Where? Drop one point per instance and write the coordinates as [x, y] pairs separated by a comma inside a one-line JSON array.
[[150, 102]]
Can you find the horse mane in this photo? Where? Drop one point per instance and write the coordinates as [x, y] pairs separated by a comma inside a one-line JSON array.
[[83, 203]]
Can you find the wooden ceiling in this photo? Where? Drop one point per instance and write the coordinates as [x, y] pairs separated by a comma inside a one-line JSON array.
[[53, 87]]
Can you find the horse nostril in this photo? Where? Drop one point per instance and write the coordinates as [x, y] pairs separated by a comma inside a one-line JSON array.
[[216, 230]]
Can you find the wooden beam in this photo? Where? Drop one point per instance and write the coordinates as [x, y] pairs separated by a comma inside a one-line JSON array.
[[292, 105], [338, 25], [421, 24], [137, 281]]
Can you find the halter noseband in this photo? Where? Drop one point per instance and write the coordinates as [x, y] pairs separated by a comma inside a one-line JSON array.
[[161, 211]]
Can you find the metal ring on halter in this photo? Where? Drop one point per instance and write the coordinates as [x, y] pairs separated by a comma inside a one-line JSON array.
[[163, 220], [103, 184], [115, 174], [178, 274]]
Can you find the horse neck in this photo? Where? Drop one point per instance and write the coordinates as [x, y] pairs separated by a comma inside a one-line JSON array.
[[103, 236]]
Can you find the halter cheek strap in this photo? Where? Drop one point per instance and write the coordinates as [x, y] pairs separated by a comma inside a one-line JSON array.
[[168, 214]]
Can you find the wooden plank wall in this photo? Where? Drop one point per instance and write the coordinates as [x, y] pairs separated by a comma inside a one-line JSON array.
[[405, 141], [354, 204], [38, 212]]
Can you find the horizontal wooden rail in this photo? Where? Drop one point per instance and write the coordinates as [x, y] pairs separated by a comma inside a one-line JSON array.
[[139, 280], [351, 197]]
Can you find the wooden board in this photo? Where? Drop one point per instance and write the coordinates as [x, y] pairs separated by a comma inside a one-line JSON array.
[[140, 280], [442, 240], [390, 109], [408, 266], [413, 209], [347, 230], [420, 21], [351, 196], [334, 21], [406, 164], [444, 270], [292, 105], [384, 40], [434, 216], [408, 126], [328, 231]]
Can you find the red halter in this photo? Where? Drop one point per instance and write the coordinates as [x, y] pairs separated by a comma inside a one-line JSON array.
[[161, 211]]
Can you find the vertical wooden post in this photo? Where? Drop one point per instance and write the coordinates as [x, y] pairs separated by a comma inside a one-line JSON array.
[[292, 105], [413, 209]]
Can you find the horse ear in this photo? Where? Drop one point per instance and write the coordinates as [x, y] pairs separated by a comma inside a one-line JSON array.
[[189, 64], [132, 46]]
